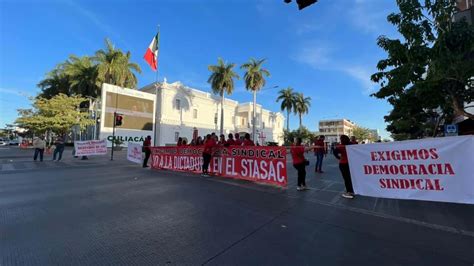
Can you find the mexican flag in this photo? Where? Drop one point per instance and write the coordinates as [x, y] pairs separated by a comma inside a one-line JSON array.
[[151, 55]]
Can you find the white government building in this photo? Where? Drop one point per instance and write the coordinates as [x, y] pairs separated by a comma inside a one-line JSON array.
[[184, 112]]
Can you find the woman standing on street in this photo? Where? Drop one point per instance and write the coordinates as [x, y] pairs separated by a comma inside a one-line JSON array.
[[319, 152], [209, 144], [341, 154], [300, 162], [146, 150]]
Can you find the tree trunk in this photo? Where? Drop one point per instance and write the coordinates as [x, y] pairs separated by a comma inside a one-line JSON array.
[[458, 109], [288, 121], [300, 120], [222, 113], [254, 114]]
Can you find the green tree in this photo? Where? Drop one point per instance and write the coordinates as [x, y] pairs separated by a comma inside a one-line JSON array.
[[361, 133], [288, 103], [302, 105], [302, 132], [428, 75], [114, 67], [222, 82], [55, 82], [82, 74], [57, 115], [254, 78]]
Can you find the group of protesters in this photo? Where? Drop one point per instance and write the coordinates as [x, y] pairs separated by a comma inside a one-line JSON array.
[[300, 162], [297, 150], [57, 148], [211, 141], [232, 140]]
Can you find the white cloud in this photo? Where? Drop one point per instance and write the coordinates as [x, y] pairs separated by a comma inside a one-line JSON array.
[[320, 55], [96, 20], [368, 16], [362, 75], [16, 92]]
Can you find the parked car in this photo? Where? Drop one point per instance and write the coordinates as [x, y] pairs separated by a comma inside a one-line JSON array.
[[14, 142], [3, 142]]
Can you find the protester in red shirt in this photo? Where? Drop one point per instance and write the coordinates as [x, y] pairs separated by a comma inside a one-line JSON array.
[[319, 152], [146, 150], [247, 141], [180, 142], [341, 154], [209, 144], [354, 140], [222, 141], [299, 162], [238, 142], [230, 141]]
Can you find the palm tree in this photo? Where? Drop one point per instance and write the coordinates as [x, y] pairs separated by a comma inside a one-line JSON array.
[[288, 103], [302, 105], [222, 82], [114, 67], [82, 73], [56, 82], [254, 80]]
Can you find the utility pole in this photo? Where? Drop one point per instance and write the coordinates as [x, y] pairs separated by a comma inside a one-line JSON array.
[[113, 137]]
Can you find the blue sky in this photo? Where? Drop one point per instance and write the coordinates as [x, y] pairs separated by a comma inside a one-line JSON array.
[[327, 51]]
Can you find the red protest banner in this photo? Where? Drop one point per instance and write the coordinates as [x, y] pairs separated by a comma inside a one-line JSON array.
[[257, 163]]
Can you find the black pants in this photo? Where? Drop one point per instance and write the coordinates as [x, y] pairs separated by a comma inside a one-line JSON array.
[[58, 152], [40, 152], [346, 174], [207, 159], [301, 168], [147, 156]]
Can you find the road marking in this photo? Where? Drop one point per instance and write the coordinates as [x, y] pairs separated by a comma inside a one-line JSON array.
[[444, 228]]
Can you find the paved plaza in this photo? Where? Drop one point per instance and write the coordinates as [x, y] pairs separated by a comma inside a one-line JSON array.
[[97, 211]]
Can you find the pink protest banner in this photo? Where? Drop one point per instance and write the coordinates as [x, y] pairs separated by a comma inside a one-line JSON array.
[[258, 164]]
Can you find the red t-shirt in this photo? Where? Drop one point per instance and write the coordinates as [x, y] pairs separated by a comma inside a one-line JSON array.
[[208, 146], [238, 142], [342, 153], [297, 153], [230, 142], [319, 142], [147, 144], [248, 142]]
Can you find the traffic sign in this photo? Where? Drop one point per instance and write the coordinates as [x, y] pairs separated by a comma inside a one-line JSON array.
[[451, 130]]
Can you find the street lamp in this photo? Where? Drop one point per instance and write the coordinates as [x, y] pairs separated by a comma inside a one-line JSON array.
[[254, 112]]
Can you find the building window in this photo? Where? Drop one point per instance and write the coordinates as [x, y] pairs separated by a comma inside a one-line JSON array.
[[195, 113], [178, 104], [243, 122], [176, 136], [263, 125], [215, 118]]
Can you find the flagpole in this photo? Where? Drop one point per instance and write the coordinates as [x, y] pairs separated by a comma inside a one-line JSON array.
[[156, 90]]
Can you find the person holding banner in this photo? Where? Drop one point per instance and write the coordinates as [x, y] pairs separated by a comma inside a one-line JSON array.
[[230, 141], [238, 142], [341, 154], [222, 141], [209, 144], [247, 141], [146, 150]]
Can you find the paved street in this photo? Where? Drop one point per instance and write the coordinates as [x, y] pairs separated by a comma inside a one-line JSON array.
[[116, 213]]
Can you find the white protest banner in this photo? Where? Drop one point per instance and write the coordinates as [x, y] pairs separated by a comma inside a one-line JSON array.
[[90, 147], [134, 152], [437, 169]]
